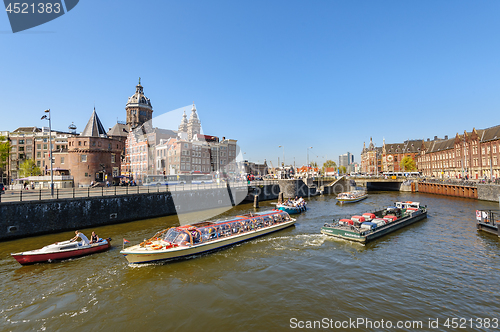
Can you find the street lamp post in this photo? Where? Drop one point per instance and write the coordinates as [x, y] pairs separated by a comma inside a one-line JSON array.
[[50, 155], [308, 160], [281, 146]]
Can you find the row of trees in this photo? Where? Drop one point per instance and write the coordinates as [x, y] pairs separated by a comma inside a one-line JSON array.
[[407, 163]]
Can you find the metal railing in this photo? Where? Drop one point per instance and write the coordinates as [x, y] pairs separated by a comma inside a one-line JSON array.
[[70, 193]]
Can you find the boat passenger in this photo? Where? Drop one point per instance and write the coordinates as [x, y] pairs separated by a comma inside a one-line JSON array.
[[85, 240], [94, 238], [184, 239]]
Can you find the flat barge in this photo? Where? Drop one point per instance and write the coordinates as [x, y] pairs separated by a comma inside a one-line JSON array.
[[371, 226], [488, 220]]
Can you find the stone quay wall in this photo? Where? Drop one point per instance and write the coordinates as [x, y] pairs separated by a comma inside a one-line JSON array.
[[22, 219], [488, 192]]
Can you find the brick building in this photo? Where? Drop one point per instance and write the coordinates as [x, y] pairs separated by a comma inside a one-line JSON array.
[[91, 156], [473, 154], [393, 154]]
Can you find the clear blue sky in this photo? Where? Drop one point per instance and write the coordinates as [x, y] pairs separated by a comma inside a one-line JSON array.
[[326, 74]]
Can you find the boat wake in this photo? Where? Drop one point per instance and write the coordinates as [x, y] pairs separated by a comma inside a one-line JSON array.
[[295, 242]]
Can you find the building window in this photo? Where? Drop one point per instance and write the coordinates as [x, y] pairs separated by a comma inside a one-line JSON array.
[[113, 158], [21, 141], [39, 155], [38, 163], [45, 146], [83, 158], [79, 143], [62, 160], [13, 142], [86, 174]]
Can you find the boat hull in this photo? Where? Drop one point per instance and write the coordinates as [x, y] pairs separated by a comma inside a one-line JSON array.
[[291, 209], [352, 200], [32, 257], [379, 232], [150, 256]]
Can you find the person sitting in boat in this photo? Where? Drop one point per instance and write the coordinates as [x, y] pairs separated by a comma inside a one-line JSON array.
[[85, 240], [94, 238], [184, 240]]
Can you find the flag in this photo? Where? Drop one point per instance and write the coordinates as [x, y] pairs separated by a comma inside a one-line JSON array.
[[126, 241]]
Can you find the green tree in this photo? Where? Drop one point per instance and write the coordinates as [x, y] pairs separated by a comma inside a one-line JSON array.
[[4, 153], [330, 164], [408, 164], [314, 164], [29, 168], [342, 170]]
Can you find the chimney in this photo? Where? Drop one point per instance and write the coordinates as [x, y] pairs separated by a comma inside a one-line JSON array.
[[428, 139], [445, 136], [435, 137]]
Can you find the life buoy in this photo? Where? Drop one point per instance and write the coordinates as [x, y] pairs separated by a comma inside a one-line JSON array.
[[148, 243], [156, 246]]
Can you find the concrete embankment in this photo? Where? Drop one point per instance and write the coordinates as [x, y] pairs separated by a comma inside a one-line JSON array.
[[21, 219]]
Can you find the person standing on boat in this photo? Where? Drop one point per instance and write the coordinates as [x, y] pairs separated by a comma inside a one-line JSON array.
[[85, 240]]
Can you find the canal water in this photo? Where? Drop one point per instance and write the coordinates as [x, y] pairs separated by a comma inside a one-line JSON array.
[[436, 269]]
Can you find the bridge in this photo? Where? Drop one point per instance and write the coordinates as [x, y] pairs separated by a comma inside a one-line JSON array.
[[381, 183]]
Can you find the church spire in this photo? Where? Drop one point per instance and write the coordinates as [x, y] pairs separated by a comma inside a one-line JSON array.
[[194, 125], [183, 126]]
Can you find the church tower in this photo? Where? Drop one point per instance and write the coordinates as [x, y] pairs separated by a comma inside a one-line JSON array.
[[139, 109], [194, 125], [183, 127]]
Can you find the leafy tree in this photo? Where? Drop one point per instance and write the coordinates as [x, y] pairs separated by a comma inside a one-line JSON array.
[[408, 164], [314, 164], [28, 168], [330, 164], [4, 153], [342, 169]]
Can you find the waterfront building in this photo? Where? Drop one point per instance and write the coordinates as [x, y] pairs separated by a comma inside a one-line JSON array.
[[249, 167], [140, 150], [33, 143], [192, 152], [393, 154], [371, 159], [90, 157], [474, 154]]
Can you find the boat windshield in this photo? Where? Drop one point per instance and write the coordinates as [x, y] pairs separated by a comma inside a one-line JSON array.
[[177, 236], [171, 234]]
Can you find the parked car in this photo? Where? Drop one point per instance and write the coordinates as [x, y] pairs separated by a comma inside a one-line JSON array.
[[2, 188]]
